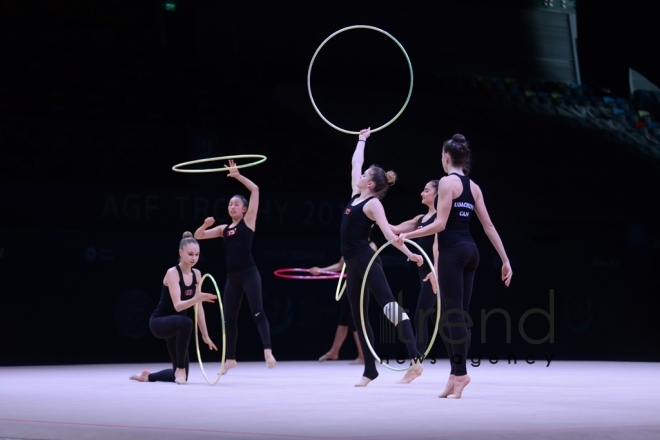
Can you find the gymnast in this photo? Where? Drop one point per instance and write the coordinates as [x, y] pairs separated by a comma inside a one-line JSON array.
[[427, 299], [243, 277], [170, 321], [458, 257], [363, 210]]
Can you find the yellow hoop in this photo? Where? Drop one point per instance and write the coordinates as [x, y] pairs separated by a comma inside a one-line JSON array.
[[309, 74], [261, 158], [224, 344], [339, 293], [437, 315]]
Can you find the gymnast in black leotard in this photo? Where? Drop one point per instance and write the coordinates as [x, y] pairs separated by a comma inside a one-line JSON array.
[[170, 321], [242, 274], [458, 256], [359, 216], [427, 300]]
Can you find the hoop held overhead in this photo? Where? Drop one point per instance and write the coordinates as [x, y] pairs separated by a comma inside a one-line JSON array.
[[309, 74], [437, 314], [260, 159], [326, 274], [224, 340]]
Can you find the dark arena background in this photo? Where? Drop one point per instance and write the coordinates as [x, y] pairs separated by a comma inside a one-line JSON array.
[[99, 99]]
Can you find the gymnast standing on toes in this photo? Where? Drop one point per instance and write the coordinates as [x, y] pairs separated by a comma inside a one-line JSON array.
[[170, 321], [427, 299], [359, 216], [242, 274], [458, 256]]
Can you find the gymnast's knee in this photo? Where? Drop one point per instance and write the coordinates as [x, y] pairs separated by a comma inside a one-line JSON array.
[[259, 316], [395, 313], [186, 323]]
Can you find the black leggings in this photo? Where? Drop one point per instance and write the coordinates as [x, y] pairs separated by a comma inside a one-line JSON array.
[[248, 282], [345, 318], [457, 266], [426, 304], [377, 284], [176, 330]]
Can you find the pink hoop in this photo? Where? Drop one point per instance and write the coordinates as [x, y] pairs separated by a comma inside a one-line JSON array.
[[286, 273]]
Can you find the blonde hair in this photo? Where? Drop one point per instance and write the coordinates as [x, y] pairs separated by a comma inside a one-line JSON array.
[[187, 239]]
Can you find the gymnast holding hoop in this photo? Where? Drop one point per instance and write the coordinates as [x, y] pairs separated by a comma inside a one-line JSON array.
[[458, 257], [242, 274], [428, 290], [363, 210], [170, 321]]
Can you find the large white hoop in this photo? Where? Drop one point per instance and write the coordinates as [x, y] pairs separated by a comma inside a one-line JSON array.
[[224, 336], [260, 159], [309, 74]]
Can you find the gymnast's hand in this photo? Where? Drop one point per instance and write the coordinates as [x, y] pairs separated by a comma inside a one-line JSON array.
[[364, 134], [417, 259], [314, 270], [399, 238], [208, 222], [206, 297], [233, 171], [507, 273], [433, 280], [209, 342]]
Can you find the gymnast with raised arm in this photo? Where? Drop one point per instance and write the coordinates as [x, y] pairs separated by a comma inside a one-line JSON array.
[[363, 210], [243, 277], [458, 257]]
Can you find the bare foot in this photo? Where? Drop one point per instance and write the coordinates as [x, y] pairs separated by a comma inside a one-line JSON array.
[[364, 382], [270, 359], [180, 376], [329, 356], [449, 388], [459, 385], [142, 377], [357, 361], [229, 364], [412, 374]]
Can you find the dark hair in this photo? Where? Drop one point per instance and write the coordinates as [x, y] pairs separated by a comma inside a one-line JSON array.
[[382, 180], [434, 183], [459, 152], [187, 239], [243, 199]]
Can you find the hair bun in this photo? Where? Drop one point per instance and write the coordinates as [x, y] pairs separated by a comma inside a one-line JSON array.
[[459, 139], [187, 234], [391, 177]]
